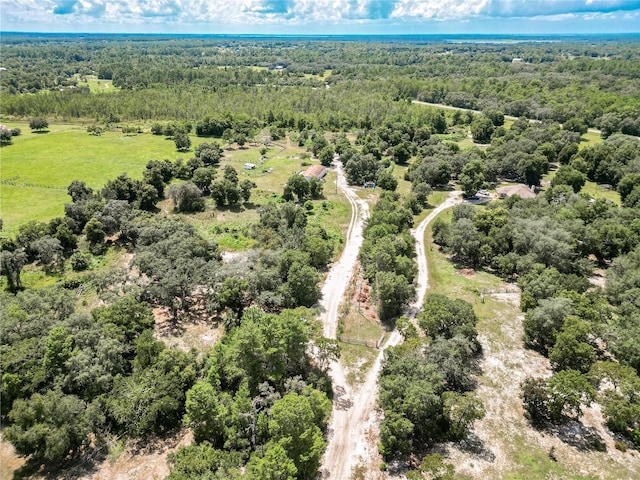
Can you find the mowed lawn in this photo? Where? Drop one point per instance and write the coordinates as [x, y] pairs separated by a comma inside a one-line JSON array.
[[37, 169]]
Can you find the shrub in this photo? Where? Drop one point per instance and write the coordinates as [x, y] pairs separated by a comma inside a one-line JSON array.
[[80, 261]]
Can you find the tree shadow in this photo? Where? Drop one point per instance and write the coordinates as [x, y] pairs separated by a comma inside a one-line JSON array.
[[473, 445], [579, 436], [81, 466]]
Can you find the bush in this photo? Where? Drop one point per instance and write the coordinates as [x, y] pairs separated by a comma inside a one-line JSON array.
[[620, 446], [38, 124], [80, 261]]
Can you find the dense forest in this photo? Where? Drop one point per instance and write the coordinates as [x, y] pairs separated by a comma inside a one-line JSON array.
[[79, 375]]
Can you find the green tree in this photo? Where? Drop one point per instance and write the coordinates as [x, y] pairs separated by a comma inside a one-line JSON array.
[[536, 400], [461, 410], [95, 235], [38, 124], [568, 391], [202, 178], [567, 175], [298, 185], [5, 136], [79, 191], [186, 197], [273, 463], [302, 285], [572, 349], [627, 184], [182, 141], [50, 426], [473, 177], [49, 253], [291, 423], [495, 115], [11, 264], [481, 129], [203, 413], [326, 155], [387, 181], [443, 316], [542, 324], [575, 125], [234, 295], [58, 350], [393, 292], [245, 189]]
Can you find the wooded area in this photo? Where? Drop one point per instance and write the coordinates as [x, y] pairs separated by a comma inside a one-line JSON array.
[[83, 364]]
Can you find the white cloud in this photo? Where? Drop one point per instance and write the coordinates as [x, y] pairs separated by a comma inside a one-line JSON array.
[[440, 10], [117, 14]]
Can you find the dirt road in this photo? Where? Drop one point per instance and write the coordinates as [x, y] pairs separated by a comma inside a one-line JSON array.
[[341, 272], [354, 412]]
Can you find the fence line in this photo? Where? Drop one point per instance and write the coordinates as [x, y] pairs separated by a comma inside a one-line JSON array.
[[357, 341], [367, 343]]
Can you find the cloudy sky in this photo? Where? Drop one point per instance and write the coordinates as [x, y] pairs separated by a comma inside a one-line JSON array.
[[322, 16]]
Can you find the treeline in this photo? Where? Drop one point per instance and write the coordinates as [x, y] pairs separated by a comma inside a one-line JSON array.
[[387, 255], [597, 84]]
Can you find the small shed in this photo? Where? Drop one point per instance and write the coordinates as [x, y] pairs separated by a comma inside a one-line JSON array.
[[315, 171], [249, 166]]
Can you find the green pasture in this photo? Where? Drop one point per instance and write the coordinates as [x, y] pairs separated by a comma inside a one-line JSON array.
[[95, 84], [589, 139], [37, 169]]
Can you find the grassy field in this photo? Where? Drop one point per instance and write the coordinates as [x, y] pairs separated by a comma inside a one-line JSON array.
[[37, 168], [95, 84]]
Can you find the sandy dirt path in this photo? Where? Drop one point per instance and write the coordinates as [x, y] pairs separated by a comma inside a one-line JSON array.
[[354, 415]]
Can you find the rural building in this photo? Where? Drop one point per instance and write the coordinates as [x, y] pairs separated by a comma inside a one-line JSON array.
[[317, 171], [249, 166], [521, 190]]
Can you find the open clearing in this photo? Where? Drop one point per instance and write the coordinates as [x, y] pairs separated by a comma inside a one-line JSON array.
[[503, 445]]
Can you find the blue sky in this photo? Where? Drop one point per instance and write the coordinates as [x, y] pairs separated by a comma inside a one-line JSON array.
[[322, 16]]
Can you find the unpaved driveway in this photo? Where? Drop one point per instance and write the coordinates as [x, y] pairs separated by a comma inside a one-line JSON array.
[[354, 412]]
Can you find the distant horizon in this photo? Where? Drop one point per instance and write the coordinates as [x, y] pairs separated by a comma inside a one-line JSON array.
[[322, 35], [323, 17]]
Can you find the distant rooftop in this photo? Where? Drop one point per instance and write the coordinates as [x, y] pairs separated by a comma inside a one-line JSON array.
[[317, 171], [521, 190]]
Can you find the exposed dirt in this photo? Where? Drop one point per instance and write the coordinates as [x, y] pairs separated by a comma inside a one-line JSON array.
[[137, 462], [466, 272], [9, 461], [503, 438]]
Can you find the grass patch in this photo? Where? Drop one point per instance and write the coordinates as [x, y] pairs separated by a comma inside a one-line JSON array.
[[592, 189], [589, 139], [357, 359], [596, 191], [96, 85], [21, 204], [534, 463]]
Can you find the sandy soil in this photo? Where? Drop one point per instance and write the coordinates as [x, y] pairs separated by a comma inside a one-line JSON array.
[[353, 430], [504, 434]]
